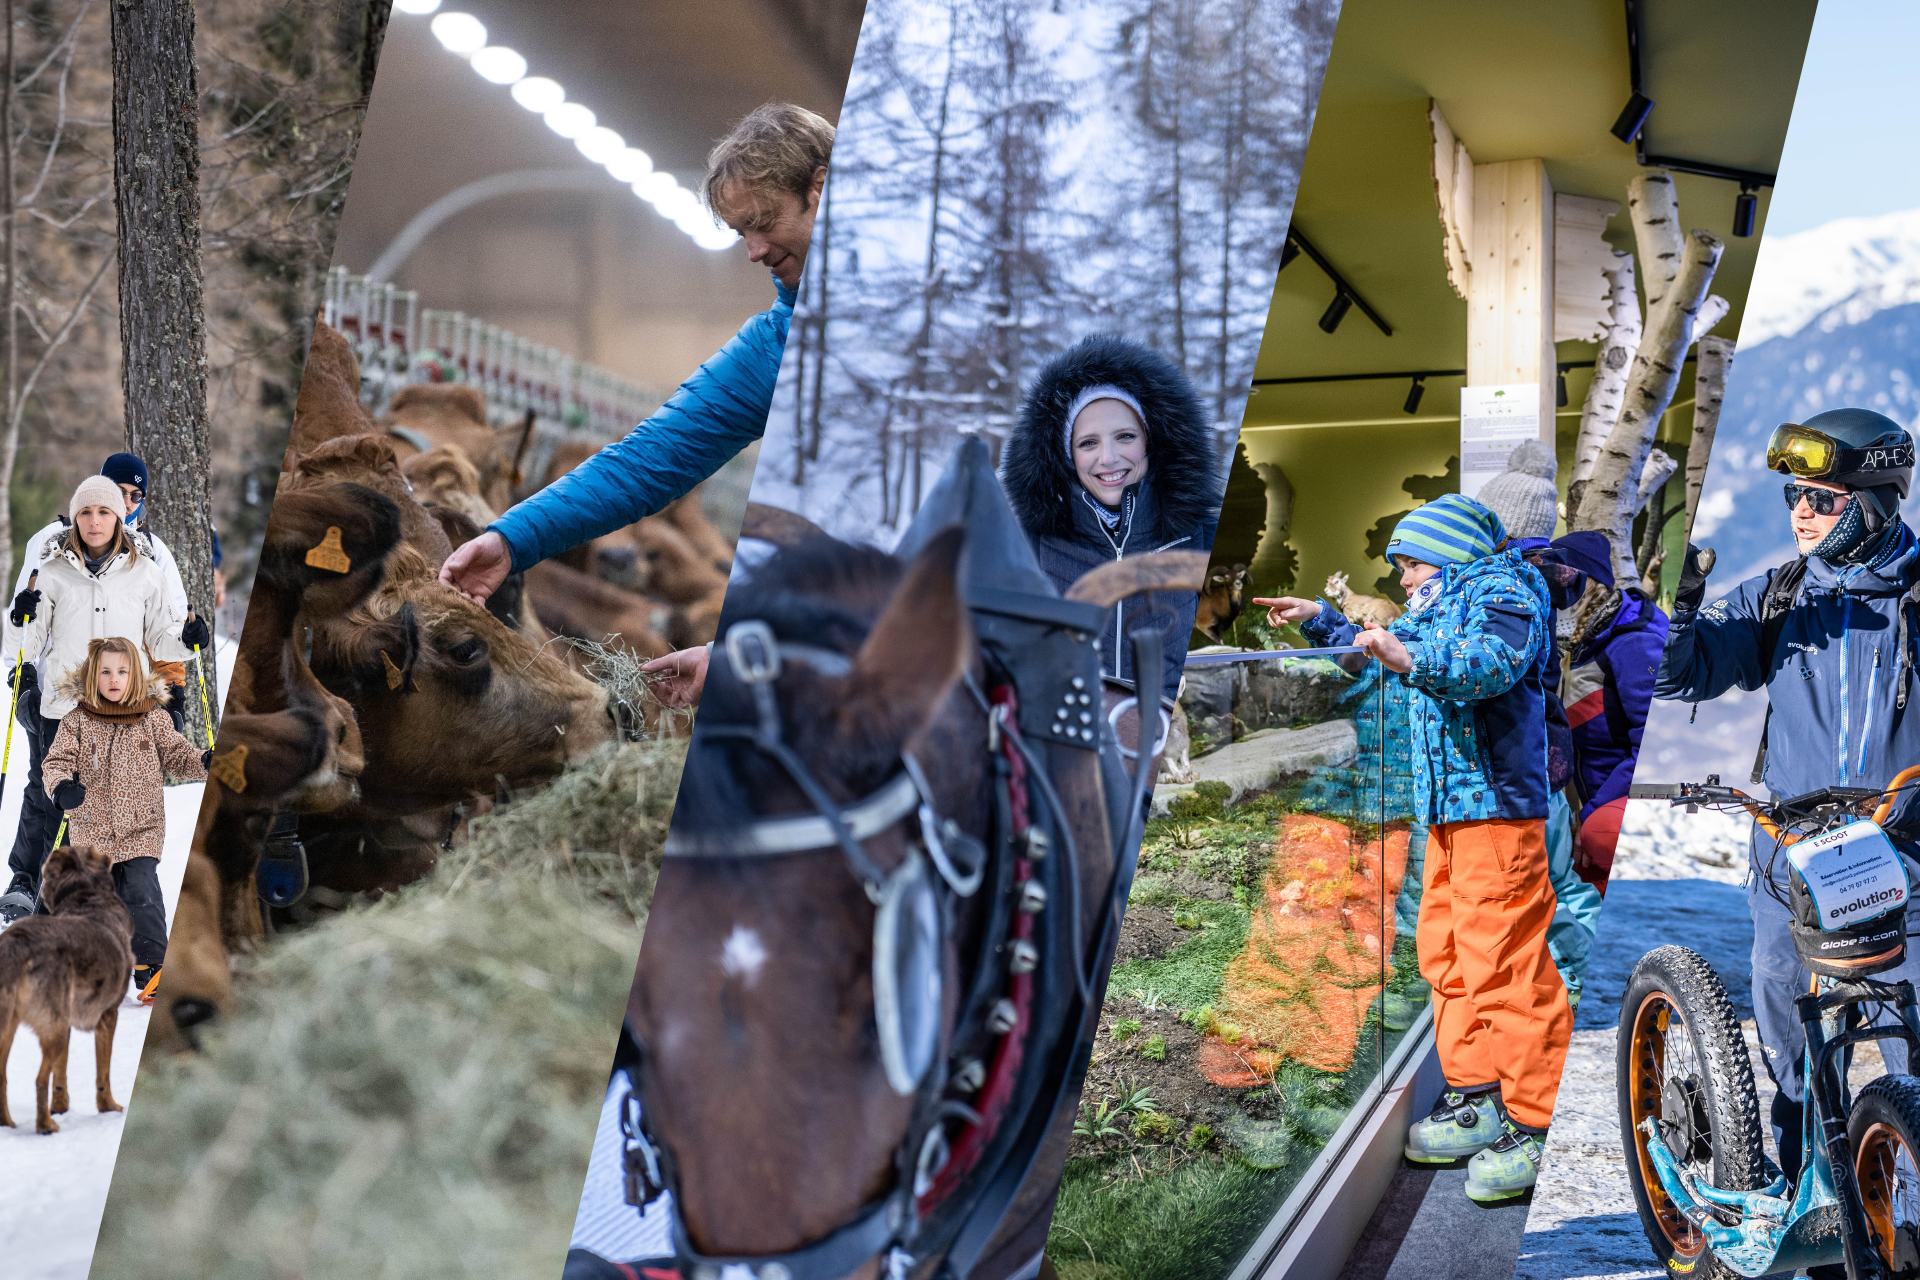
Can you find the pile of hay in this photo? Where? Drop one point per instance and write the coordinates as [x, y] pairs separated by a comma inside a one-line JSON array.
[[411, 1089]]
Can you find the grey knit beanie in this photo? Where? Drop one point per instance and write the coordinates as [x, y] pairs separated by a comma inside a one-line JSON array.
[[1523, 495]]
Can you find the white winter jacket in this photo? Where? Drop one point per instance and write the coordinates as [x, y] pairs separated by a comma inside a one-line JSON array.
[[127, 598]]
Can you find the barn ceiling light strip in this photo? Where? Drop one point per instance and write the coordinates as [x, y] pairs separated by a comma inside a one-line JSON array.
[[465, 35]]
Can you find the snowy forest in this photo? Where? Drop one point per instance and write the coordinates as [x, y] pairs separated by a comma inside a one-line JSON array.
[[1009, 177]]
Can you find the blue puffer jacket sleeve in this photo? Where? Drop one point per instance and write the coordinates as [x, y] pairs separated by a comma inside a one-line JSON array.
[[1500, 637], [716, 413], [1713, 649]]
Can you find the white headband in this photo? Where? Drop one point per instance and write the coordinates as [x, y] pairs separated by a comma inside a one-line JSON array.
[[1105, 391]]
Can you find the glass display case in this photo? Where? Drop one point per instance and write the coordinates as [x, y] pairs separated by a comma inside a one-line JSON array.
[[1265, 973]]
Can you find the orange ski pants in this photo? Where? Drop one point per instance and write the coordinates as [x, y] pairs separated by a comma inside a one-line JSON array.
[[1500, 1008]]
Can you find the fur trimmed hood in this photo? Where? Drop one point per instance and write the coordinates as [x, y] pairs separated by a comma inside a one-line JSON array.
[[68, 686], [1038, 475]]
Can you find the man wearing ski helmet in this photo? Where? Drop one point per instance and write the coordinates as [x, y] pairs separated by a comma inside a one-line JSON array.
[[1830, 636]]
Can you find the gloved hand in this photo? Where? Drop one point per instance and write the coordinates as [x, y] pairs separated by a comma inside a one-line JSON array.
[[71, 794], [1693, 579], [176, 706], [195, 634], [24, 606], [206, 758]]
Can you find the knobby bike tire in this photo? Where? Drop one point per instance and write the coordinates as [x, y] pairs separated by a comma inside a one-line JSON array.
[[1885, 1118], [1680, 983]]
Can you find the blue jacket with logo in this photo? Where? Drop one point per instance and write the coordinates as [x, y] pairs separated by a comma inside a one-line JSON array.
[[1834, 679], [1480, 655], [715, 414]]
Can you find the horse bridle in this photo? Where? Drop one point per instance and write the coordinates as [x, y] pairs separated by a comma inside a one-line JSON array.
[[914, 912]]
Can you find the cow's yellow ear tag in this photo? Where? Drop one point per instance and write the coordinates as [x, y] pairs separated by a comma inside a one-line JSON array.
[[330, 554], [393, 673], [230, 770]]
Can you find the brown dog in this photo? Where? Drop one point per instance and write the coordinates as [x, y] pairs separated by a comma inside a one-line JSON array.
[[64, 970]]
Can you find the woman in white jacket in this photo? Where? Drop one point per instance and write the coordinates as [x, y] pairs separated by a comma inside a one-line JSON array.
[[94, 584]]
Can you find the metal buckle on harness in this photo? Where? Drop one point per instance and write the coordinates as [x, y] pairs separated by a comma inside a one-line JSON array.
[[1120, 708], [753, 651], [640, 1162]]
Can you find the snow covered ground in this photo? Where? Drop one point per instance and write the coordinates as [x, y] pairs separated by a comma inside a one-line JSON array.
[[53, 1187], [1676, 879]]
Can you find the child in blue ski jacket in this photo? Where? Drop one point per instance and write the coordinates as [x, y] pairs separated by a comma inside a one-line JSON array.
[[1474, 643]]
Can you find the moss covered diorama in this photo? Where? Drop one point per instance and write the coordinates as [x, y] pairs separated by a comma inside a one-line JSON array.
[[1242, 1021]]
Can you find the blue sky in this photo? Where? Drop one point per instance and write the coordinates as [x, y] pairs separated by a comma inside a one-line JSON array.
[[1850, 149]]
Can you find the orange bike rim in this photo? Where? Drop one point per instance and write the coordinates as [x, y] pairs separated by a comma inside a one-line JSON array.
[[1648, 1047]]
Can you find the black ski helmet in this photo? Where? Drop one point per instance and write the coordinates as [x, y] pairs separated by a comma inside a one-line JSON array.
[[1874, 455]]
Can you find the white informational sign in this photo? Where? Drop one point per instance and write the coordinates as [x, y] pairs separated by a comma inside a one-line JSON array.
[[1853, 872], [1492, 421]]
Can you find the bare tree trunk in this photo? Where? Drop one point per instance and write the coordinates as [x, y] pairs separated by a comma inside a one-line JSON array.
[[10, 449], [1709, 388], [1659, 466], [156, 171], [1607, 503], [1602, 407]]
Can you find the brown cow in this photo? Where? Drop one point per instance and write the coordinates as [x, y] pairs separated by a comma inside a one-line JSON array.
[[436, 413], [449, 699], [329, 403], [369, 460]]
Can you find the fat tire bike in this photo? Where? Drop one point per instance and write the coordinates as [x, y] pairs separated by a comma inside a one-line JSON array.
[[1712, 1203]]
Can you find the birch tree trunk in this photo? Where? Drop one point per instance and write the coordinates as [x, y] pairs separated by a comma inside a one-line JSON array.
[[1606, 505], [1709, 388], [1655, 211], [1602, 406], [156, 180]]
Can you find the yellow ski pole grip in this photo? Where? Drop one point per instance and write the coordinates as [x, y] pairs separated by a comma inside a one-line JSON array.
[[13, 708], [200, 667]]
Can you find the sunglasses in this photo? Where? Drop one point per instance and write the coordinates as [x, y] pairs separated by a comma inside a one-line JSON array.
[[1824, 502]]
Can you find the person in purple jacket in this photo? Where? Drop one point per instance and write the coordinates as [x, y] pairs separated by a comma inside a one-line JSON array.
[[765, 180], [1612, 656]]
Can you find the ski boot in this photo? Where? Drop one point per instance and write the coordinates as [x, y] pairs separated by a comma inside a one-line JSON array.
[[1508, 1168], [146, 979], [1460, 1125], [17, 901]]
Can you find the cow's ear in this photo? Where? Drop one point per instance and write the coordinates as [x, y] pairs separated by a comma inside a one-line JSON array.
[[917, 650], [385, 653]]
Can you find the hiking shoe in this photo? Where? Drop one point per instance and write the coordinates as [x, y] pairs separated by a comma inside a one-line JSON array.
[[17, 901], [1459, 1126], [1506, 1169], [146, 979]]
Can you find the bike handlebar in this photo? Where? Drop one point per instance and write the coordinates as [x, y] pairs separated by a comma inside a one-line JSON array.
[[1763, 812]]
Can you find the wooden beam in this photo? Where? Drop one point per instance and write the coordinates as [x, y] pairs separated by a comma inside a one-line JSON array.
[[1510, 301]]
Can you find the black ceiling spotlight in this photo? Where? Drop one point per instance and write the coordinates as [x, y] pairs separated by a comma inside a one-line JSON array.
[[1336, 311], [1559, 388], [1633, 117], [1632, 127], [1288, 250], [1414, 393], [1345, 296]]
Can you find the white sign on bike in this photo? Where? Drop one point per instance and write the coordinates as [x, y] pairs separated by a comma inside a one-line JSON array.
[[1853, 872]]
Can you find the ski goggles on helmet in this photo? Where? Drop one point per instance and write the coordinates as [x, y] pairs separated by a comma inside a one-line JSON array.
[[1824, 502], [1815, 455]]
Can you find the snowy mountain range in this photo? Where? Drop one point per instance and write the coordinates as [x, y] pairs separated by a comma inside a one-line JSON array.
[[1833, 319]]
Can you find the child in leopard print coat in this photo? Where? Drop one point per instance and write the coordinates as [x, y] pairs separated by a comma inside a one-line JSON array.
[[105, 768]]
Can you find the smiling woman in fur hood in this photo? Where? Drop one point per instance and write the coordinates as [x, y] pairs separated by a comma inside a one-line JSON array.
[[1113, 458]]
